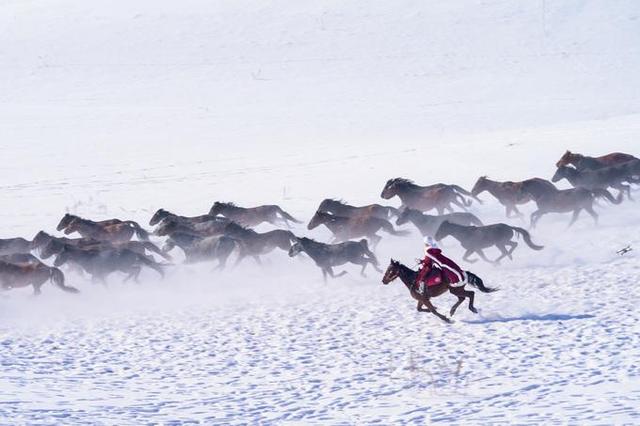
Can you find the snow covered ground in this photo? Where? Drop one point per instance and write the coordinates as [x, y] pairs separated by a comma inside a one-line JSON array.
[[117, 109]]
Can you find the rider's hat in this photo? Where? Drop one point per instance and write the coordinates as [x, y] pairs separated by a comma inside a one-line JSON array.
[[430, 242]]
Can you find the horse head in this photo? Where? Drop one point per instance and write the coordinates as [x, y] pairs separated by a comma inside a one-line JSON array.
[[480, 186], [65, 221], [316, 220], [562, 172], [566, 158], [296, 248], [158, 216], [392, 272], [40, 239]]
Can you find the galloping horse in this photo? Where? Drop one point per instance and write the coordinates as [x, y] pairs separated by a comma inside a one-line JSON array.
[[162, 214], [408, 277], [424, 198], [582, 162], [476, 238], [428, 224], [326, 256], [601, 178], [346, 228], [252, 216], [340, 208], [114, 233], [69, 219], [509, 194], [26, 271]]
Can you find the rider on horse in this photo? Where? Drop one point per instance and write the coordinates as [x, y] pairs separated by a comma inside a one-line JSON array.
[[437, 268]]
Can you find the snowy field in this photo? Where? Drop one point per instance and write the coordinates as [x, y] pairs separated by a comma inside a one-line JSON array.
[[116, 109]]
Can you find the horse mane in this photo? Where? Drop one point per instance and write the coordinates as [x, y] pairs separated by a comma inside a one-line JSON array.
[[226, 203], [400, 180]]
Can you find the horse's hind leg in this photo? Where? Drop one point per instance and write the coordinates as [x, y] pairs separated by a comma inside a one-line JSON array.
[[420, 308], [458, 303], [592, 213], [471, 296], [504, 251], [483, 257]]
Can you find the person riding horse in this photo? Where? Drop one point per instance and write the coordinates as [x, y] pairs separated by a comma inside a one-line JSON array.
[[436, 268]]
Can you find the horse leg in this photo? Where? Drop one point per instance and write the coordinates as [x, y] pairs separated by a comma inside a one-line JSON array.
[[508, 210], [466, 255], [375, 240], [455, 292], [504, 252], [513, 246], [364, 263], [534, 218], [433, 310], [36, 289], [419, 308], [333, 274], [576, 213], [593, 214], [483, 257], [257, 259], [471, 296]]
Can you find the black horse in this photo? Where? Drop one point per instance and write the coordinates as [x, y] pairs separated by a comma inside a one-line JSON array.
[[326, 256]]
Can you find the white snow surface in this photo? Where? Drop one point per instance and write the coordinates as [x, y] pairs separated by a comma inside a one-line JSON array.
[[115, 109]]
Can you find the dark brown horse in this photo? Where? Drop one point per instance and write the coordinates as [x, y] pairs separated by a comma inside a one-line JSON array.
[[582, 162], [327, 256], [424, 198], [213, 226], [162, 214], [256, 244], [203, 249], [347, 228], [252, 216], [428, 224], [340, 208], [408, 277], [566, 201], [509, 194], [14, 245], [68, 219], [99, 263], [476, 238], [29, 271], [42, 239], [601, 178]]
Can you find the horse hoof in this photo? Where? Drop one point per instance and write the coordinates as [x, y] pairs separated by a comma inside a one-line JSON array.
[[474, 310]]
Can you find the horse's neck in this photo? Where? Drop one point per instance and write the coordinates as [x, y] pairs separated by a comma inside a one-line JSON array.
[[85, 225], [408, 276]]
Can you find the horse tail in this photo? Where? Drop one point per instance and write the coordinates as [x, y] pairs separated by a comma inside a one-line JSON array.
[[152, 264], [141, 233], [477, 282], [463, 191], [57, 277], [155, 249], [388, 227], [287, 216], [365, 248], [526, 237], [603, 193]]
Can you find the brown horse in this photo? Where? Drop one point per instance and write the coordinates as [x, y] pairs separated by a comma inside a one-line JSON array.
[[68, 219], [171, 225], [14, 245], [42, 239], [326, 256], [428, 224], [582, 162], [256, 244], [509, 194], [114, 233], [424, 198], [162, 214], [252, 216], [347, 228], [408, 277], [601, 178], [99, 263], [476, 238], [203, 249], [566, 201], [29, 271], [340, 208]]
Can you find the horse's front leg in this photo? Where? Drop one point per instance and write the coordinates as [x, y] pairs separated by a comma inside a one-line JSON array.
[[333, 274], [483, 257], [433, 310], [456, 292]]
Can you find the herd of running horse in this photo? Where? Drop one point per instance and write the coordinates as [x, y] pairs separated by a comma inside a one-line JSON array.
[[106, 246]]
